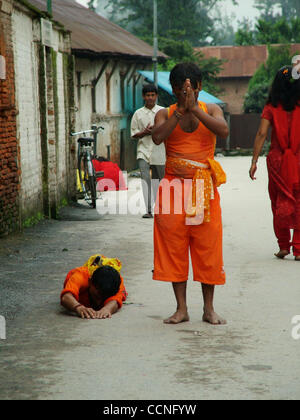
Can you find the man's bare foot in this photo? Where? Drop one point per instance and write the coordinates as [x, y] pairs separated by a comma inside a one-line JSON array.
[[213, 318], [177, 318], [282, 254]]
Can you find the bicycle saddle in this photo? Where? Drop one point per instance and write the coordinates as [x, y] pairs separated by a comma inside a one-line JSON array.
[[86, 140]]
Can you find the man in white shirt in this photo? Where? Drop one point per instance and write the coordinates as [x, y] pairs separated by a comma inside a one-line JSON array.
[[149, 155]]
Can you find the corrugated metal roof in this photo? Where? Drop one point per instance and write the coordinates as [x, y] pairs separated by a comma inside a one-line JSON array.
[[242, 61], [91, 33]]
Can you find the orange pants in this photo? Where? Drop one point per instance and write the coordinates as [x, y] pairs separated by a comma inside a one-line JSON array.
[[173, 240]]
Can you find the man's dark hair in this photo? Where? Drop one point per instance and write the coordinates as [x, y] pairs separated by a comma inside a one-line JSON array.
[[285, 90], [107, 280], [149, 88], [184, 71]]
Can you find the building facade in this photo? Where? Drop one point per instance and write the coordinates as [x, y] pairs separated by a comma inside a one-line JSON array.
[[240, 64], [38, 159], [108, 88], [9, 150]]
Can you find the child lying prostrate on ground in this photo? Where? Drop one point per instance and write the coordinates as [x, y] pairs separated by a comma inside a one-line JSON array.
[[95, 290]]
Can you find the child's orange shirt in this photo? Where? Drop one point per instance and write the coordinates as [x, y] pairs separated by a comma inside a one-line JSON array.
[[77, 283]]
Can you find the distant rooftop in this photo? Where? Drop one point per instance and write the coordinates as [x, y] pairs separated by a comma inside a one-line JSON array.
[[92, 34], [242, 61]]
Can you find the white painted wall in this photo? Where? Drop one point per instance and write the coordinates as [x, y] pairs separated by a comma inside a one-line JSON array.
[[28, 119], [112, 120], [26, 42]]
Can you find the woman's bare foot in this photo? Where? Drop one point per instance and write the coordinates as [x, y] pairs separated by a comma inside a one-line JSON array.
[[212, 318], [297, 258], [282, 254], [177, 318]]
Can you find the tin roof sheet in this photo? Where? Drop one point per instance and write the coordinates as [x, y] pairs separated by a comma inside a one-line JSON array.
[[241, 61], [92, 33]]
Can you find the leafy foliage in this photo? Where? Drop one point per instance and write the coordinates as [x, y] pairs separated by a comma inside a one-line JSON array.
[[281, 31], [261, 81], [269, 9], [91, 5], [256, 98], [181, 26], [191, 18], [279, 23]]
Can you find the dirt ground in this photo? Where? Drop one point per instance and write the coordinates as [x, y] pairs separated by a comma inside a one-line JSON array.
[[49, 354]]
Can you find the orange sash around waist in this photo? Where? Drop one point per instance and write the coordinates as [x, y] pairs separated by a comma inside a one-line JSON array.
[[204, 175]]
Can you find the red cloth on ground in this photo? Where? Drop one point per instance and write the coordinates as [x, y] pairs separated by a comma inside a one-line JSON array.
[[112, 172], [284, 165]]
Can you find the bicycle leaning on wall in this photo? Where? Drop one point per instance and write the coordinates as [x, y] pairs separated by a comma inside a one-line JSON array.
[[86, 151]]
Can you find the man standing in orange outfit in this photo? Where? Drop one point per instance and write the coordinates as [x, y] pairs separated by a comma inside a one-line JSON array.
[[189, 129]]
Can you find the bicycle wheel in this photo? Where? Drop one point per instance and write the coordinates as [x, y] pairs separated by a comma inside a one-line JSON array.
[[89, 186], [92, 187]]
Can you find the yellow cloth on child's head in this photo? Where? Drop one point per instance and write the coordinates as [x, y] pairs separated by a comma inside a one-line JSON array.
[[102, 260]]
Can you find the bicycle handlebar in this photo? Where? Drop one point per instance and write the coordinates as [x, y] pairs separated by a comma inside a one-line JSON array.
[[95, 130]]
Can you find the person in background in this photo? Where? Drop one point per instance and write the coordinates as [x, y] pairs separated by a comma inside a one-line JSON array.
[[150, 157], [282, 114]]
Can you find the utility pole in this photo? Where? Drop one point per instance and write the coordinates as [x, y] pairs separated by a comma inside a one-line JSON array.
[[49, 7], [154, 59]]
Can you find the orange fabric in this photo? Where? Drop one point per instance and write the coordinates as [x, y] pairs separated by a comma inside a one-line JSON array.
[[77, 283], [173, 238], [198, 146], [210, 172]]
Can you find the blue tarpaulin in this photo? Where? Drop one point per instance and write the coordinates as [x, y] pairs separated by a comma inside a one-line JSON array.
[[163, 83]]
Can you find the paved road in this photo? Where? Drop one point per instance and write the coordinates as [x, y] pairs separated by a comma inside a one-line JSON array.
[[49, 354]]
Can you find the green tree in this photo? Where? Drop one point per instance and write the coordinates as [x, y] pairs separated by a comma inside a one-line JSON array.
[[269, 8], [281, 31], [192, 18], [181, 26], [224, 31], [91, 5], [261, 81], [278, 23], [182, 51], [256, 99], [245, 34]]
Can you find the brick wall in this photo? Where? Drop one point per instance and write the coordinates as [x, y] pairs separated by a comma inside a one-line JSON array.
[[37, 159], [234, 91], [9, 155]]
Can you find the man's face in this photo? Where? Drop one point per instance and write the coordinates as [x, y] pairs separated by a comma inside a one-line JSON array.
[[150, 99], [95, 295], [180, 92]]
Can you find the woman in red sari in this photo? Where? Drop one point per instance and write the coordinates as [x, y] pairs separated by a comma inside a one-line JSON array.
[[282, 113]]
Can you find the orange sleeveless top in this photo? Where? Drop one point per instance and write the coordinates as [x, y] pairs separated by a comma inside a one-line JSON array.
[[191, 155], [198, 145]]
